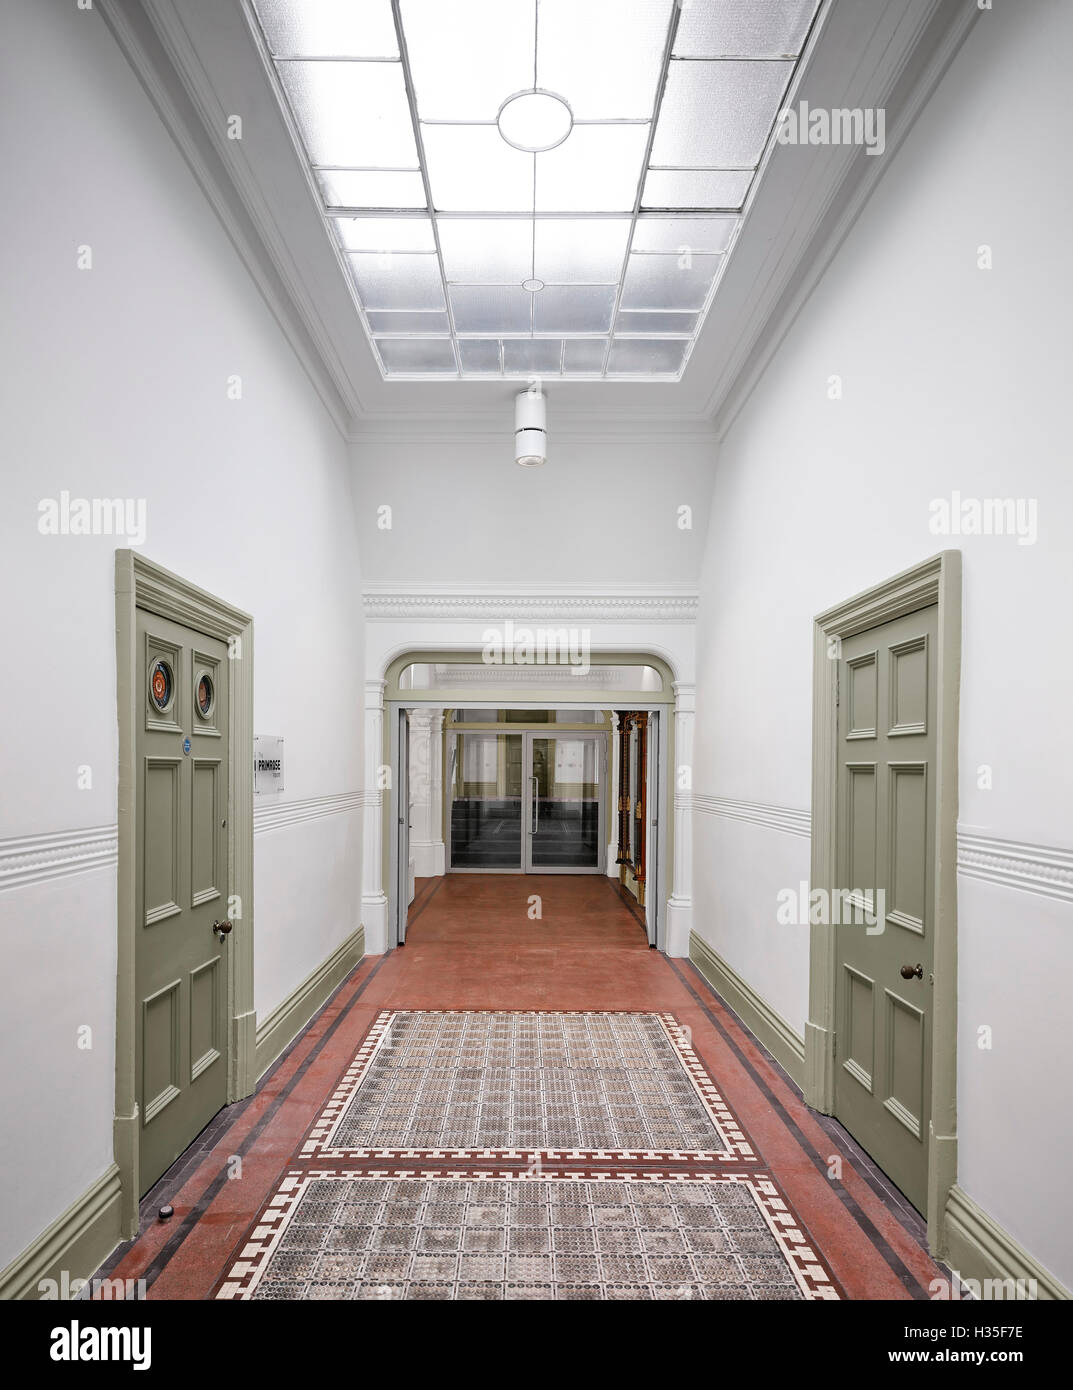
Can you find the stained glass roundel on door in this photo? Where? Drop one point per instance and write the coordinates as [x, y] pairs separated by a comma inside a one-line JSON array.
[[161, 684], [205, 695]]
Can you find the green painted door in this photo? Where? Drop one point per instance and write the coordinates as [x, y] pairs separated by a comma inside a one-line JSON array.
[[181, 955], [886, 867]]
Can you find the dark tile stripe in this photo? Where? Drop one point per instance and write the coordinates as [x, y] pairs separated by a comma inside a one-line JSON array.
[[411, 917], [195, 1214], [905, 1276]]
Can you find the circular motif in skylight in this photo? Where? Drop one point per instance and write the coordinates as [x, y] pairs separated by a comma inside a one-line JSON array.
[[535, 121], [534, 286]]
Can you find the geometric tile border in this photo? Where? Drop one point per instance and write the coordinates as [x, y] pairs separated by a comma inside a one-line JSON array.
[[735, 1147], [811, 1277], [738, 1164]]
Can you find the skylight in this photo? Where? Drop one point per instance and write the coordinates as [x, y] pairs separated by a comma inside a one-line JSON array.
[[534, 187]]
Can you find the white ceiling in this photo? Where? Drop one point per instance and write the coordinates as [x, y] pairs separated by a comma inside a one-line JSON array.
[[204, 62], [523, 187]]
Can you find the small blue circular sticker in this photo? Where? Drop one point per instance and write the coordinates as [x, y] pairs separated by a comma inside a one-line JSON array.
[[186, 745]]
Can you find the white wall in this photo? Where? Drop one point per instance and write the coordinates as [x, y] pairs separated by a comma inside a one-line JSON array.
[[954, 378], [594, 512], [114, 384]]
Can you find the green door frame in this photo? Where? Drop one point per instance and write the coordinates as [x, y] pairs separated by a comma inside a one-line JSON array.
[[139, 583], [936, 580]]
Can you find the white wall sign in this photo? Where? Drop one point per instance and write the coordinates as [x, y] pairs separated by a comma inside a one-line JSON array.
[[267, 763]]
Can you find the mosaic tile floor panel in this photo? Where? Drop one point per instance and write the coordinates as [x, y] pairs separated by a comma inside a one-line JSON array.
[[494, 1081], [526, 1155], [546, 1238]]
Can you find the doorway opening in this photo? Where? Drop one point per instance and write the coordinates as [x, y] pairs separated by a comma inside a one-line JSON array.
[[490, 778]]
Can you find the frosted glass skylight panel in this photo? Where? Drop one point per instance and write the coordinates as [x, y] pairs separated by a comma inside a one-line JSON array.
[[603, 56], [328, 28], [472, 169], [573, 250], [417, 354], [584, 355], [479, 355], [744, 28], [696, 188], [491, 309], [574, 309], [718, 114], [662, 282], [406, 321], [534, 186], [656, 323], [397, 281], [385, 233], [492, 250], [468, 56], [540, 355], [371, 188], [643, 356], [352, 113], [711, 234], [597, 169]]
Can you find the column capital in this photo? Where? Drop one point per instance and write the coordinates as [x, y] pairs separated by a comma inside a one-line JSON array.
[[374, 694], [685, 697]]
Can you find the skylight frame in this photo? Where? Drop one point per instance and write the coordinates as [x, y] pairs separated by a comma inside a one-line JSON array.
[[619, 330]]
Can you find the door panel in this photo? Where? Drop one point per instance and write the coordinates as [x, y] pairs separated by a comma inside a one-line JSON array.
[[180, 962], [486, 801], [527, 802], [885, 872], [566, 786]]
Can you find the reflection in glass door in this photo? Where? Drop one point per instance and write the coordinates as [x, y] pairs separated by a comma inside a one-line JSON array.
[[485, 779], [566, 790], [527, 802]]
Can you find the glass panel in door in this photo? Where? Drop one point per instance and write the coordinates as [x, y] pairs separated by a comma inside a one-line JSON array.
[[566, 788], [487, 793]]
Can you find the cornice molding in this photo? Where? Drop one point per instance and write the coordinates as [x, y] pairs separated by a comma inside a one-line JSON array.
[[37, 858], [391, 601]]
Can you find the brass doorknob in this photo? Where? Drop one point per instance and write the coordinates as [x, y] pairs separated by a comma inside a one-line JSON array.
[[221, 928], [908, 971]]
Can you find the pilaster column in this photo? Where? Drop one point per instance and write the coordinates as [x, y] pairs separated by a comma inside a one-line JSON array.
[[373, 899], [680, 903], [426, 754], [612, 801]]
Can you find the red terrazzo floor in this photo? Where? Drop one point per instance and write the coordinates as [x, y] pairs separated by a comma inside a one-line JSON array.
[[471, 944]]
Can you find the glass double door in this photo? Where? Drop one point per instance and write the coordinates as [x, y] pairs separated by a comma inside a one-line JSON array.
[[527, 802]]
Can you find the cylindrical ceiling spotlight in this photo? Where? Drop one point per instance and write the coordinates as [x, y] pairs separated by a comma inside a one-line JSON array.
[[530, 428]]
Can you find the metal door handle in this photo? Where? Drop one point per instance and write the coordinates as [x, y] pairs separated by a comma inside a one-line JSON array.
[[908, 971], [536, 802], [221, 928]]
